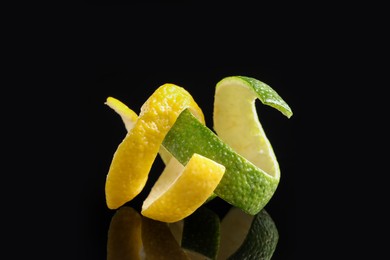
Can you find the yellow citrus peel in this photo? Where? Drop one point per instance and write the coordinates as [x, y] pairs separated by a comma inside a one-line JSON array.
[[135, 155], [179, 192], [170, 199]]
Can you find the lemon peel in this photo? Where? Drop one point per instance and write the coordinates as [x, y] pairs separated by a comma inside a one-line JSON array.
[[178, 193], [129, 117], [136, 153]]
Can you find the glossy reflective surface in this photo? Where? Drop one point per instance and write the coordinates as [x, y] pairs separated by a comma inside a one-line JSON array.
[[199, 236]]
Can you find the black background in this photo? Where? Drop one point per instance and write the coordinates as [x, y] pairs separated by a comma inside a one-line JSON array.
[[319, 58], [192, 47]]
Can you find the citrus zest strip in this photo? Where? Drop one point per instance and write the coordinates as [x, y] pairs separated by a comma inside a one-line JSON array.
[[179, 192], [129, 117], [252, 172], [243, 185], [236, 121], [135, 155]]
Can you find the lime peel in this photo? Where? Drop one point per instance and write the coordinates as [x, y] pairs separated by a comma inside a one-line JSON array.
[[266, 94], [240, 127], [243, 184]]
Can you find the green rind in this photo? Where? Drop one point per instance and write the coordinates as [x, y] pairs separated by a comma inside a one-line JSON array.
[[201, 232], [243, 185], [266, 94], [261, 241]]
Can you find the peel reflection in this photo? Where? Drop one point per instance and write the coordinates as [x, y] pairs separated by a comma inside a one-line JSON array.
[[202, 235], [124, 235]]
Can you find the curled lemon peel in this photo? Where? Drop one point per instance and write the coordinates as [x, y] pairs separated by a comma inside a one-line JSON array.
[[129, 117], [135, 155]]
